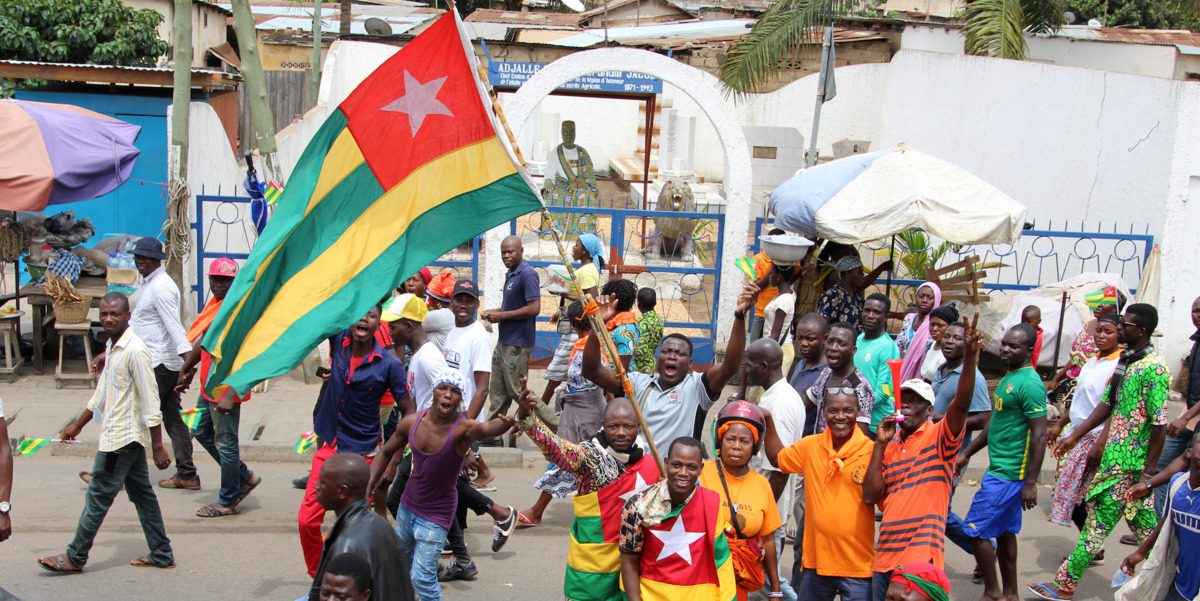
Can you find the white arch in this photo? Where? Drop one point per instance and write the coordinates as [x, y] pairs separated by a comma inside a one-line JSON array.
[[701, 87]]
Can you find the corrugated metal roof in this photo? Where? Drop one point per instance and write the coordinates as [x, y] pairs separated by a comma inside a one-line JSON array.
[[534, 19], [214, 6], [195, 70], [1157, 37], [400, 24], [695, 30]]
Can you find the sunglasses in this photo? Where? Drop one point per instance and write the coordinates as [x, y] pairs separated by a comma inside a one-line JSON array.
[[840, 390]]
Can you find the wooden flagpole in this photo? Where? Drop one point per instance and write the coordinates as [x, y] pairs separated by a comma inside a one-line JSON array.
[[591, 308]]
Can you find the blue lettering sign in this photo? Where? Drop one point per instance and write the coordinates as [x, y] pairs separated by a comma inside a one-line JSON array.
[[511, 74]]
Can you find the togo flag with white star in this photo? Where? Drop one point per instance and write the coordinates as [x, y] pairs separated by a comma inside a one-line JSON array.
[[410, 165]]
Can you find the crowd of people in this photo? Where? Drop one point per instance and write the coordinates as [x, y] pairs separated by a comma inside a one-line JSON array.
[[838, 425]]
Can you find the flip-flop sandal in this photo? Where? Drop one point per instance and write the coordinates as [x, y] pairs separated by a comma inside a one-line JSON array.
[[216, 510], [145, 562], [58, 564], [248, 487], [524, 522], [1048, 591]]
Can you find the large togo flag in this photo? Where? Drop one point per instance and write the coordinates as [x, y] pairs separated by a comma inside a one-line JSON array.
[[409, 166]]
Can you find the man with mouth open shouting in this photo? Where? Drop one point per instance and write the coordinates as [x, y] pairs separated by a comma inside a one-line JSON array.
[[670, 399], [347, 420]]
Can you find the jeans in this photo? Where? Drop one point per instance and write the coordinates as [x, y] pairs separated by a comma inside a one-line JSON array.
[[125, 468], [879, 585], [956, 534], [218, 434], [311, 515], [1173, 447], [1174, 595], [757, 322], [815, 587], [798, 545], [177, 431], [422, 542]]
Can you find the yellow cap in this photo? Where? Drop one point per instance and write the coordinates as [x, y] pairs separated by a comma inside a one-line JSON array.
[[405, 306]]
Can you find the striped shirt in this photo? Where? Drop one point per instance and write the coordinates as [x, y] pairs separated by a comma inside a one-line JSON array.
[[127, 395], [917, 476]]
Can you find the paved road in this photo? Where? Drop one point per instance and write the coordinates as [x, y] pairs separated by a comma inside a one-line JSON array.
[[256, 555]]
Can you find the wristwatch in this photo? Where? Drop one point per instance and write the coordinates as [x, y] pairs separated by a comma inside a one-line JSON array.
[[5, 507]]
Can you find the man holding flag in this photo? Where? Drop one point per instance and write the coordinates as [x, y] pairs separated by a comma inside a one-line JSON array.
[[415, 148]]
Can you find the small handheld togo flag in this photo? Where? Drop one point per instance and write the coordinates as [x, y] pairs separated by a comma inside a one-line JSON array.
[[29, 446], [191, 417], [306, 442], [272, 192]]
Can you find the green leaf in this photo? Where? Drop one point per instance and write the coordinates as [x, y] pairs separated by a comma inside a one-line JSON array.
[[995, 28], [784, 29]]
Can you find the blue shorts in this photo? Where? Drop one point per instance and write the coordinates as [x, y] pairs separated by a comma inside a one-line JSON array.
[[995, 510]]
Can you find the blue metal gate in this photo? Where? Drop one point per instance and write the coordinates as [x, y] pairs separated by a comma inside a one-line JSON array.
[[224, 229], [1040, 257], [687, 287]]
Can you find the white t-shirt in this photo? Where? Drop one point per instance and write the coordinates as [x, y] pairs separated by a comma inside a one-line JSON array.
[[784, 302], [787, 410], [469, 350], [1, 408], [1089, 388], [422, 369]]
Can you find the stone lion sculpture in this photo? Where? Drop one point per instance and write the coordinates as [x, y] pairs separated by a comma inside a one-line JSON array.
[[674, 234]]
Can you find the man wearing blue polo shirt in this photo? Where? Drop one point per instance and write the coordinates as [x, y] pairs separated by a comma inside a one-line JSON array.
[[347, 420], [517, 318]]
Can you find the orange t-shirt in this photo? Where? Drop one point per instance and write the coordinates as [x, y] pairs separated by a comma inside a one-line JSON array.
[[917, 474], [753, 496], [839, 529]]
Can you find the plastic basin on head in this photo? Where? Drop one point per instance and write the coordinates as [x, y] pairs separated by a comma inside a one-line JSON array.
[[786, 248]]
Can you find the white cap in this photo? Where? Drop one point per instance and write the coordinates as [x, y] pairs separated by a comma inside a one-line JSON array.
[[919, 386]]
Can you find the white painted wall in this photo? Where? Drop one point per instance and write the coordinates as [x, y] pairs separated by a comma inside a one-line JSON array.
[[1180, 283], [1134, 59], [932, 38], [1068, 143]]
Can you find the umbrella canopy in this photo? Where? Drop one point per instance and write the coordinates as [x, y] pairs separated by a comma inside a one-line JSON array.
[[875, 195], [57, 153]]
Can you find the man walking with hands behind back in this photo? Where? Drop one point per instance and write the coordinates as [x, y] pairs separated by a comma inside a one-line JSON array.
[[127, 397]]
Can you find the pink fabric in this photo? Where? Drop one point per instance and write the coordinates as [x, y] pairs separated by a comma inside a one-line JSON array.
[[914, 354], [26, 175]]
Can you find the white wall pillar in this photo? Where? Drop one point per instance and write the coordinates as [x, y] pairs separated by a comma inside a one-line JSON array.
[[1179, 243], [702, 88]]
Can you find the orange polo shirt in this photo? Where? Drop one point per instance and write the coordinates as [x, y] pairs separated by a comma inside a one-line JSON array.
[[839, 529]]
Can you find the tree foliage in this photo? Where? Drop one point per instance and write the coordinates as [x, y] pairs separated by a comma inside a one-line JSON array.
[[997, 27], [102, 32], [1142, 14]]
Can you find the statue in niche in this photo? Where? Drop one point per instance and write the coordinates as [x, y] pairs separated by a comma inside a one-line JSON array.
[[674, 234], [570, 182]]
